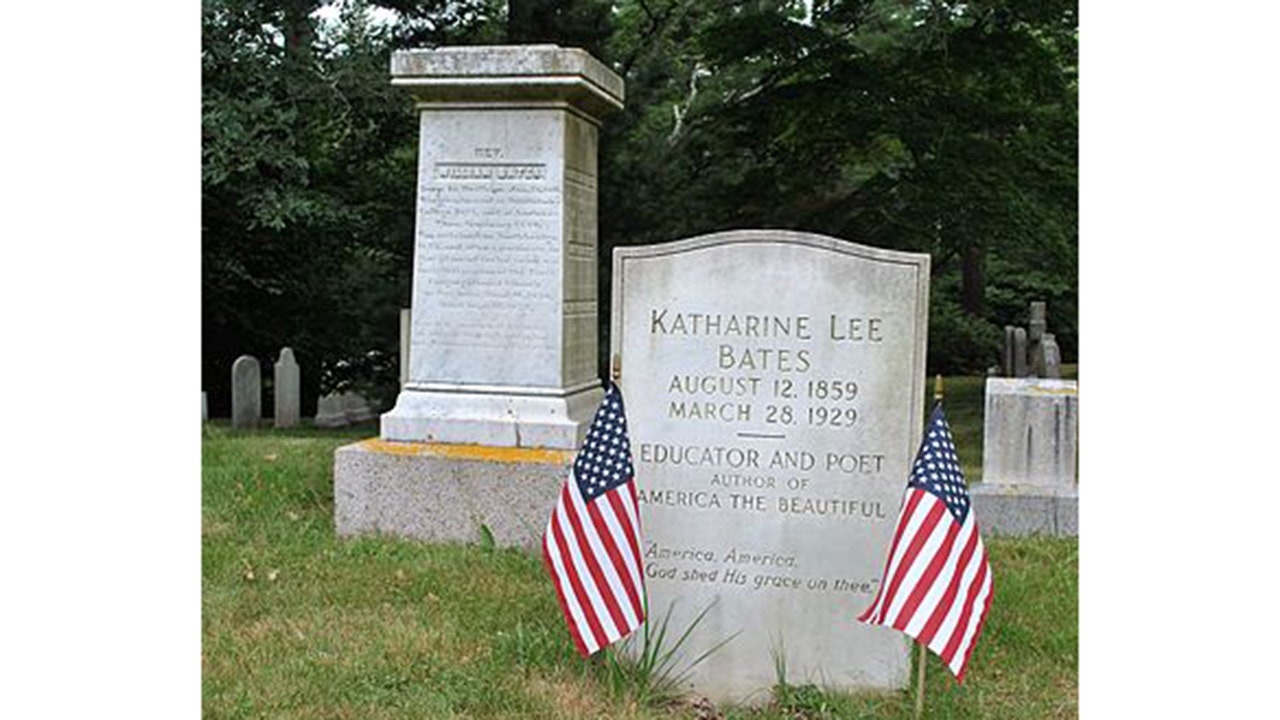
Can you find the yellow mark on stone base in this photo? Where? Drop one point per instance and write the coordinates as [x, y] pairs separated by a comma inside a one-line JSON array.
[[471, 452]]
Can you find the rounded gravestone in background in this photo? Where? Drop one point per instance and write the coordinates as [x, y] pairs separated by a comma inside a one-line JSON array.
[[246, 392]]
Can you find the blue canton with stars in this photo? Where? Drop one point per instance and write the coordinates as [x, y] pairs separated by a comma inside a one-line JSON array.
[[604, 462], [937, 469]]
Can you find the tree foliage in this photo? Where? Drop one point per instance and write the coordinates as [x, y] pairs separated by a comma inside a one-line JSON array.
[[939, 127]]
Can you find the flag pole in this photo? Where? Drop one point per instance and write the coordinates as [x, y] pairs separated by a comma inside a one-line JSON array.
[[924, 654]]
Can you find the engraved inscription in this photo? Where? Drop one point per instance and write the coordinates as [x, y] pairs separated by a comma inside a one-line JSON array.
[[492, 259]]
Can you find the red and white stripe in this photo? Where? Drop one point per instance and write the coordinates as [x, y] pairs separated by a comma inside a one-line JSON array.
[[936, 585], [592, 551]]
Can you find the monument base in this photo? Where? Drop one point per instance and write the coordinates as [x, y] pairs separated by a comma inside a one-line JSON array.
[[492, 419], [442, 493], [1021, 510]]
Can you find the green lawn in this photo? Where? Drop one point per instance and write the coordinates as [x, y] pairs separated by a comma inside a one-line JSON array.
[[299, 624]]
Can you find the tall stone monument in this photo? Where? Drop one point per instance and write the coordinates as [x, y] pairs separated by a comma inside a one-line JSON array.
[[502, 349], [774, 385], [503, 339]]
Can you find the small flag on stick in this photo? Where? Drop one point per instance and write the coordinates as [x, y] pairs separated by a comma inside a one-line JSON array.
[[936, 585], [591, 546]]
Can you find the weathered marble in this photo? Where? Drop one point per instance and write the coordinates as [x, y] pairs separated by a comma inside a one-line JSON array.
[[1029, 432], [331, 410], [288, 390], [503, 325], [246, 392], [774, 384], [1051, 355], [405, 316], [1020, 368], [1006, 360], [357, 408]]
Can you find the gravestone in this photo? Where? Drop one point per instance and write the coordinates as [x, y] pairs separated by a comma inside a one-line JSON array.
[[288, 390], [246, 392], [503, 346], [1029, 432], [502, 349], [331, 410], [1007, 364], [774, 385], [1028, 458], [204, 406], [1020, 352], [357, 408], [1051, 357]]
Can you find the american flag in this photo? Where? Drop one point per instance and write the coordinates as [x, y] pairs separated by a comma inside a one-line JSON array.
[[936, 585], [592, 543]]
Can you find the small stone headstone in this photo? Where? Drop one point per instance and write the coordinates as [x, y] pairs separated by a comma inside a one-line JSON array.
[[204, 406], [1006, 360], [1020, 352], [288, 392], [357, 408], [1037, 325], [331, 410], [1052, 357], [246, 392]]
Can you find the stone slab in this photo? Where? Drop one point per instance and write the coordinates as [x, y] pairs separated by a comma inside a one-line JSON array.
[[246, 392], [1029, 432], [1027, 510], [288, 390], [774, 385], [445, 493], [331, 411]]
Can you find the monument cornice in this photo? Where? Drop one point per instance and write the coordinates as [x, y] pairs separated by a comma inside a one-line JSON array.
[[508, 74]]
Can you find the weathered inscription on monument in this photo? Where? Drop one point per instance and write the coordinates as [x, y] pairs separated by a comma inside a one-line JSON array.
[[774, 385], [489, 217]]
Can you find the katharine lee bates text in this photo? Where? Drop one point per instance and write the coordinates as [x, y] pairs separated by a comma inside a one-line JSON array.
[[765, 374]]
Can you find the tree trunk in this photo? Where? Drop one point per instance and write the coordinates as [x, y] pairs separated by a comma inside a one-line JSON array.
[[973, 279]]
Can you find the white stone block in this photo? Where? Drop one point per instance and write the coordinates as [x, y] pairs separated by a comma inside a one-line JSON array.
[[1029, 432]]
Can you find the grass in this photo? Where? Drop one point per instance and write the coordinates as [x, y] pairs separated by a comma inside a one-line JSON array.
[[299, 624]]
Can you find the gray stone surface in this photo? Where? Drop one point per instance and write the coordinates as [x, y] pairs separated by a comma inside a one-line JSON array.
[[445, 493], [1020, 368], [246, 392], [405, 325], [331, 411], [357, 408], [204, 406], [1029, 432], [509, 74], [503, 336], [288, 390], [1006, 360], [774, 387], [1052, 357], [1037, 325], [1022, 511]]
